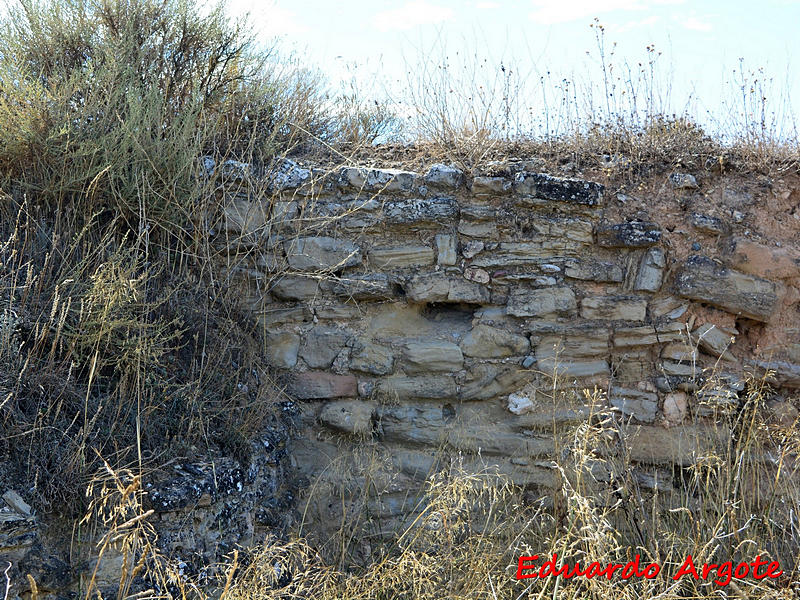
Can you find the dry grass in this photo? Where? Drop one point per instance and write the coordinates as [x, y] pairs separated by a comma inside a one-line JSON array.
[[470, 108], [464, 538], [113, 232]]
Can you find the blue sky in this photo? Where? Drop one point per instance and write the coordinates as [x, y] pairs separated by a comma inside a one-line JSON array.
[[377, 44]]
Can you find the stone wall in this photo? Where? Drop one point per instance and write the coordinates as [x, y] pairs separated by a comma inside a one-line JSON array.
[[431, 312], [414, 318]]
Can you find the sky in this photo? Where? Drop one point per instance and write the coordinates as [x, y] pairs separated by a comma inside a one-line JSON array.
[[380, 47]]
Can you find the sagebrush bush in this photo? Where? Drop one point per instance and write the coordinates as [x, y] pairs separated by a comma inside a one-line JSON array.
[[106, 108]]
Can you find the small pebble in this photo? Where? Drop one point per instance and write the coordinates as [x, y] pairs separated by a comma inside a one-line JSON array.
[[695, 247]]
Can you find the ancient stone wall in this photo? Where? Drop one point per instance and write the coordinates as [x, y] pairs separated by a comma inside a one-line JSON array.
[[428, 312]]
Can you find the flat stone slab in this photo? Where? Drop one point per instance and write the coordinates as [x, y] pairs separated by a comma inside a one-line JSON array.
[[678, 445], [444, 287], [316, 385], [547, 187], [786, 374], [397, 257], [707, 281], [614, 308], [642, 406], [510, 254], [491, 342], [362, 287], [542, 302], [348, 416], [433, 211], [633, 234], [423, 387], [321, 253], [651, 271], [431, 355]]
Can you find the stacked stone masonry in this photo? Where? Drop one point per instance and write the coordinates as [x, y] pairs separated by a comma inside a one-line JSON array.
[[436, 310]]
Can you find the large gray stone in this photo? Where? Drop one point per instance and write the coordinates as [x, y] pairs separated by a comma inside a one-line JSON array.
[[432, 211], [396, 257], [678, 369], [581, 343], [593, 270], [713, 339], [555, 227], [634, 403], [246, 217], [444, 176], [422, 387], [411, 424], [468, 292], [431, 355], [542, 302], [348, 416], [614, 308], [490, 342], [369, 357], [322, 345], [321, 253], [428, 287], [567, 369], [486, 381], [708, 224], [510, 254], [651, 271], [377, 180], [282, 348], [361, 287], [477, 438], [295, 287], [283, 213], [317, 384], [682, 446], [285, 174], [785, 373], [446, 251], [573, 191], [434, 425], [679, 352], [629, 337], [703, 279], [444, 287], [633, 234]]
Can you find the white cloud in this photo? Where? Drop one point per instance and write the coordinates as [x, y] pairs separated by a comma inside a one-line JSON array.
[[548, 12], [631, 25], [412, 14], [269, 19], [493, 5], [696, 24]]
